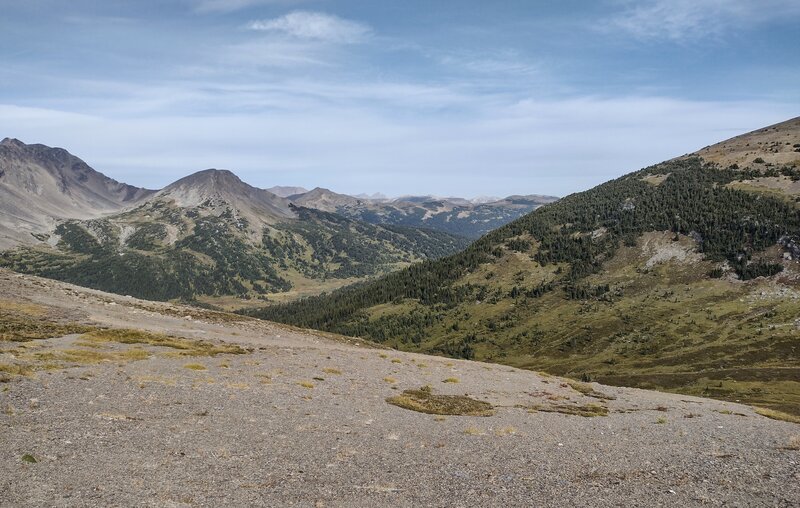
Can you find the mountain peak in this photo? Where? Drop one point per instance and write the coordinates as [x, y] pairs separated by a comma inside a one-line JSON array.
[[41, 183], [215, 171], [221, 186], [208, 183], [12, 142], [212, 175]]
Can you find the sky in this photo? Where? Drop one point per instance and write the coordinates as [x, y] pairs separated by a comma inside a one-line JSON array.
[[467, 98]]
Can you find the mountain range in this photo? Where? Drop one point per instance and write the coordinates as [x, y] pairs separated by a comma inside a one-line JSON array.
[[682, 276], [209, 236], [458, 216]]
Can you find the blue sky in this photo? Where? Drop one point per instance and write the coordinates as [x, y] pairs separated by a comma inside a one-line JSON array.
[[415, 97]]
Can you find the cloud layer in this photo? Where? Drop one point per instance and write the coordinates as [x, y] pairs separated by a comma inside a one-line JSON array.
[[411, 97], [314, 25], [532, 146], [691, 20], [212, 6]]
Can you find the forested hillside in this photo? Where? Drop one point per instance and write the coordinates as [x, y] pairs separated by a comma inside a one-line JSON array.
[[664, 277], [160, 251]]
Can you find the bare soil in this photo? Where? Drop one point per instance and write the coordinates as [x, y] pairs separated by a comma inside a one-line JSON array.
[[301, 419]]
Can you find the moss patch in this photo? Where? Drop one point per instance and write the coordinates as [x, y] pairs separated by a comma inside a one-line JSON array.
[[16, 370], [587, 411], [424, 401], [186, 347], [777, 415], [88, 356], [19, 326]]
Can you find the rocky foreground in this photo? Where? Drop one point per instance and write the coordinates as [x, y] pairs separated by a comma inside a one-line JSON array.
[[177, 406]]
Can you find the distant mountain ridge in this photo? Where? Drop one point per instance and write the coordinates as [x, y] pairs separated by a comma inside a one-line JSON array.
[[205, 237], [285, 191], [325, 200], [457, 216], [40, 185]]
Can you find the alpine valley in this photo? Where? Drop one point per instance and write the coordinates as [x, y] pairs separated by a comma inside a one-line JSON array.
[[683, 276], [354, 254], [210, 238]]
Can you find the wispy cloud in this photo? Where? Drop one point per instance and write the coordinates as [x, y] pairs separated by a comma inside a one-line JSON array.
[[95, 20], [427, 106], [501, 63], [689, 20], [316, 26], [280, 54], [233, 5]]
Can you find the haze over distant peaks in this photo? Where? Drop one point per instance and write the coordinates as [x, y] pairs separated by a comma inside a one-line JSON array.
[[375, 196], [324, 199], [286, 191], [484, 199], [459, 216]]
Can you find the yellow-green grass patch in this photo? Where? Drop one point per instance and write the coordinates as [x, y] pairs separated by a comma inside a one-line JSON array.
[[777, 415], [185, 347], [587, 411], [424, 401]]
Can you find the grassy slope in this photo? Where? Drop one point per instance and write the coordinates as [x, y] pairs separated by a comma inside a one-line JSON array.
[[663, 324], [668, 327]]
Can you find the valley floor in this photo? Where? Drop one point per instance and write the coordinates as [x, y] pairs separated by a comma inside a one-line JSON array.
[[297, 418]]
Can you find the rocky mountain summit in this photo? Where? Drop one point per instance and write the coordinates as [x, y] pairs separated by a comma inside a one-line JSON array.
[[39, 185], [214, 188]]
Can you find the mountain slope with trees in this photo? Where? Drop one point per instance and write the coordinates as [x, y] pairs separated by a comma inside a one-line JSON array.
[[676, 276], [210, 235]]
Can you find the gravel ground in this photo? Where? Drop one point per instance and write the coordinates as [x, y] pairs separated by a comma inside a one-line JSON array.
[[302, 420]]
